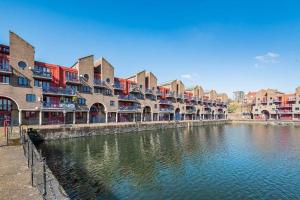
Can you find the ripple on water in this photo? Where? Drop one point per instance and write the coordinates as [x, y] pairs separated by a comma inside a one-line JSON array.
[[212, 162]]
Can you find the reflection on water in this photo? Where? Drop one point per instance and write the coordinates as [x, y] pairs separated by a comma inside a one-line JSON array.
[[209, 162]]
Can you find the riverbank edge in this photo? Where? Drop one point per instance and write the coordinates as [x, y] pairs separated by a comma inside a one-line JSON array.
[[83, 130]]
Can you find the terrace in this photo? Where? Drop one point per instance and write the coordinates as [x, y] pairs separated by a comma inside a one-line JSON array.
[[99, 83], [166, 102], [66, 106], [127, 97], [41, 74], [59, 91]]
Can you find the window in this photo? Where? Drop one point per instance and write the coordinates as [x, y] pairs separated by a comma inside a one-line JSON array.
[[108, 80], [155, 105], [86, 76], [256, 110], [297, 108], [4, 79], [81, 101], [22, 81], [22, 64], [270, 104], [5, 104], [112, 103], [30, 97], [41, 84]]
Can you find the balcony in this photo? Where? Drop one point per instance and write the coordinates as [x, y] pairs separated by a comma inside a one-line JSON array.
[[59, 91], [166, 102], [291, 99], [5, 69], [148, 91], [170, 95], [41, 74], [190, 104], [130, 108], [74, 80], [158, 93], [277, 100], [190, 111], [58, 106], [285, 106], [167, 110], [179, 96], [127, 98], [118, 86], [285, 111], [135, 89], [99, 83]]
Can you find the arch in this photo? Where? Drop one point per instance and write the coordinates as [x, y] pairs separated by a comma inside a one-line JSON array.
[[198, 114], [266, 114], [97, 113], [9, 109], [177, 114], [147, 113]]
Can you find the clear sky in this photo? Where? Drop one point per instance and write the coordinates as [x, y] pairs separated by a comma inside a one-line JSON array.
[[222, 45]]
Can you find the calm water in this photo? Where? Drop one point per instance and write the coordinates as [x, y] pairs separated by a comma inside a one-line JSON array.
[[212, 162]]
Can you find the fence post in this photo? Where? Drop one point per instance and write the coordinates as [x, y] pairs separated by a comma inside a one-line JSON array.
[[28, 153], [44, 177], [31, 166]]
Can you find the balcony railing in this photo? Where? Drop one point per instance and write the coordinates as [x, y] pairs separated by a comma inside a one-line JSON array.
[[165, 102], [285, 106], [127, 97], [130, 108], [179, 96], [99, 82], [158, 93], [134, 88], [59, 91], [277, 100], [69, 106], [170, 94], [292, 99], [190, 111], [166, 109], [41, 74], [73, 79], [5, 68], [148, 91]]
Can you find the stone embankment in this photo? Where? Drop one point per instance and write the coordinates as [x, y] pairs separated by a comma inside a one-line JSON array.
[[50, 132]]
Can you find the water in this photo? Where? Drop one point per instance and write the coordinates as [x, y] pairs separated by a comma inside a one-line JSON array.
[[210, 162]]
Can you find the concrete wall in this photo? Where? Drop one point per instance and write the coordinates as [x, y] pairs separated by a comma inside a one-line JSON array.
[[57, 132]]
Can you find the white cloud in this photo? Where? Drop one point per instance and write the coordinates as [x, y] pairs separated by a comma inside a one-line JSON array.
[[268, 58], [191, 77]]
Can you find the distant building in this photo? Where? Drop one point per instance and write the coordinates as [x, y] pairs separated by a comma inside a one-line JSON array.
[[238, 96]]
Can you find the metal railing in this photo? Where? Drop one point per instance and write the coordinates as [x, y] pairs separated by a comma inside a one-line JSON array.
[[127, 97], [129, 108], [58, 105], [57, 90], [41, 176], [165, 102], [148, 91], [166, 109], [43, 74], [99, 82]]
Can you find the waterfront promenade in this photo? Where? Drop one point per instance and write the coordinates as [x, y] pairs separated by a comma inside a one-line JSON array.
[[15, 175]]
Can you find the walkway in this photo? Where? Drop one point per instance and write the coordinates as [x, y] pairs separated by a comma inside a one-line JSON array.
[[15, 175]]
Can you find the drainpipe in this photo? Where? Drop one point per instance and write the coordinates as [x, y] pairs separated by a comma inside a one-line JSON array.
[[20, 117]]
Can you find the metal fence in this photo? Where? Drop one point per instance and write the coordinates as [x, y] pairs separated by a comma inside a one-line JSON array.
[[41, 176]]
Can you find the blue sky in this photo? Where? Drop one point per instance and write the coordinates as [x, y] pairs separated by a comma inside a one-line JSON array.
[[222, 45]]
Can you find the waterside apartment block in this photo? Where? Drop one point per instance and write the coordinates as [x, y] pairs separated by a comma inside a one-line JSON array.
[[36, 93], [273, 104]]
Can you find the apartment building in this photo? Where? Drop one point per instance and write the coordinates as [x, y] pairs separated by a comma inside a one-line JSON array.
[[273, 104], [36, 93]]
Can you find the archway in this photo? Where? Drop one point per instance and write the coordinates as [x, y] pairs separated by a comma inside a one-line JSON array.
[[198, 114], [265, 114], [97, 113], [147, 113], [8, 111], [177, 114]]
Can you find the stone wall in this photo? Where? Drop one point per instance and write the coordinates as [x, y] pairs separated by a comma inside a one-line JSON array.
[[60, 132]]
